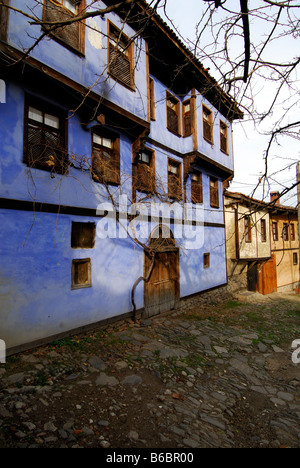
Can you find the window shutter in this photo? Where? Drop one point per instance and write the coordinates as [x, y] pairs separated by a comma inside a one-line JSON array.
[[172, 120], [119, 65], [70, 34], [105, 166]]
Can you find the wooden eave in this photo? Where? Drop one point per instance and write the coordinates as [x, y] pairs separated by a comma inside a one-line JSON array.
[[196, 160], [172, 62], [39, 77]]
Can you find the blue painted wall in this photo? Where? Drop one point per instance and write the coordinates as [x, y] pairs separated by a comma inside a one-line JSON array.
[[36, 300]]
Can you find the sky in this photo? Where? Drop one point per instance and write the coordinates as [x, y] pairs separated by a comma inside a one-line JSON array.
[[249, 142]]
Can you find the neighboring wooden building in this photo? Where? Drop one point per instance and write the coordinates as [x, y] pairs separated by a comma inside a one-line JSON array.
[[261, 243], [248, 244], [285, 244], [109, 107]]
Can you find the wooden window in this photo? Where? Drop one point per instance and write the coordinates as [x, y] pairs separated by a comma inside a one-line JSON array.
[[4, 15], [174, 180], [173, 114], [106, 158], [152, 99], [81, 274], [263, 230], [285, 232], [206, 260], [207, 125], [295, 258], [214, 192], [144, 172], [197, 189], [275, 231], [83, 235], [45, 141], [187, 118], [72, 35], [223, 137], [293, 236], [120, 56], [248, 229]]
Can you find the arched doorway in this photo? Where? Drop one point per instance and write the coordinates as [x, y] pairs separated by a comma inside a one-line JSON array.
[[162, 290]]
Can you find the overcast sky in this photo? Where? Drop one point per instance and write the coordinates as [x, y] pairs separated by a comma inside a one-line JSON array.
[[249, 144]]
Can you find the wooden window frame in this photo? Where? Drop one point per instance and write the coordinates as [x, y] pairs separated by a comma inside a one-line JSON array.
[[127, 54], [275, 231], [152, 98], [224, 147], [248, 229], [293, 234], [76, 285], [55, 166], [196, 188], [144, 171], [176, 112], [208, 125], [114, 153], [79, 239], [175, 194], [295, 258], [206, 260], [187, 119], [285, 232], [4, 15], [214, 192], [263, 230], [57, 34]]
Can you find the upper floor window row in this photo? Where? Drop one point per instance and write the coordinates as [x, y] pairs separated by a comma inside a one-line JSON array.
[[46, 148], [187, 126]]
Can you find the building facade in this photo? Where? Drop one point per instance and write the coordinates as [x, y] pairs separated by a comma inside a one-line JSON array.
[[262, 244], [248, 242], [98, 127], [285, 244]]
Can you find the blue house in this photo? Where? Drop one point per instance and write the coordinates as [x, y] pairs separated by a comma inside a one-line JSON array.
[[115, 143]]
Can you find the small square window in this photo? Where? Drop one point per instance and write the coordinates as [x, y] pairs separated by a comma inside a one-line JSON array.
[[81, 274], [83, 235], [206, 260]]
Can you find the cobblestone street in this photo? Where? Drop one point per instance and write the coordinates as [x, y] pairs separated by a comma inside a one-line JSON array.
[[215, 376]]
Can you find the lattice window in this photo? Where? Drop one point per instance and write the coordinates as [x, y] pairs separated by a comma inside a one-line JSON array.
[[187, 118], [207, 124], [224, 137], [174, 180], [120, 57], [173, 114], [263, 230], [275, 231], [45, 137], [106, 159], [197, 190], [248, 229], [214, 192], [145, 172], [71, 35]]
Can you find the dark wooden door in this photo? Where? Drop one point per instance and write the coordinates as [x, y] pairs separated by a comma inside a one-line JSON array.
[[162, 289], [252, 277]]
